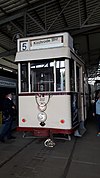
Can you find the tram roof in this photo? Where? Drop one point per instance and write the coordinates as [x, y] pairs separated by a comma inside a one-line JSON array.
[[26, 18]]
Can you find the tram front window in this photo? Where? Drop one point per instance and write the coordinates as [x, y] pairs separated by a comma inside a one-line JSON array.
[[42, 78], [24, 77]]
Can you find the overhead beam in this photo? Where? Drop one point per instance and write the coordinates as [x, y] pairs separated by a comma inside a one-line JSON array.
[[17, 14], [8, 64], [5, 59], [35, 22], [86, 28], [60, 9], [8, 53], [91, 14], [27, 1], [40, 4], [59, 14], [8, 67], [13, 24], [87, 36], [16, 26], [39, 18], [10, 18]]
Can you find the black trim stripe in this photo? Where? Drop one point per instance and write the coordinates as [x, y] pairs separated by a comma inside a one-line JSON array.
[[47, 93]]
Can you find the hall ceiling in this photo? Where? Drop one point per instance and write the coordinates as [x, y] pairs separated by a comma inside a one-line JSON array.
[[24, 18]]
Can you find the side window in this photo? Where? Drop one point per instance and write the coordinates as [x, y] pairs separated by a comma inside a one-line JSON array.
[[24, 77], [72, 75], [60, 75], [78, 78]]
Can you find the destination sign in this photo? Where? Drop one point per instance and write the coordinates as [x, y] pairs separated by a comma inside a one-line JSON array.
[[42, 43]]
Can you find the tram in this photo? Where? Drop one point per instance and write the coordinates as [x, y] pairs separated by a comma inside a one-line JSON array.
[[52, 85]]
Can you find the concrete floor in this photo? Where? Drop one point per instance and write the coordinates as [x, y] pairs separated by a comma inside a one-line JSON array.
[[29, 158]]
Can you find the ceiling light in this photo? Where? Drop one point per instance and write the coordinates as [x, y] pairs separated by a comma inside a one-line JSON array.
[[7, 69]]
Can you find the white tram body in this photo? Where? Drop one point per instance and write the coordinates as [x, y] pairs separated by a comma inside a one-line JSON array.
[[51, 92]]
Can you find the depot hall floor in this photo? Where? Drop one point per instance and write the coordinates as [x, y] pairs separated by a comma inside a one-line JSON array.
[[29, 158]]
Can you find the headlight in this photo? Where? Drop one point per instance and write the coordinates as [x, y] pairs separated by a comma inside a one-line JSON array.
[[42, 117]]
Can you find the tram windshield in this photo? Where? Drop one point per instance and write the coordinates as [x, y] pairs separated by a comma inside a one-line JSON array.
[[44, 76]]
